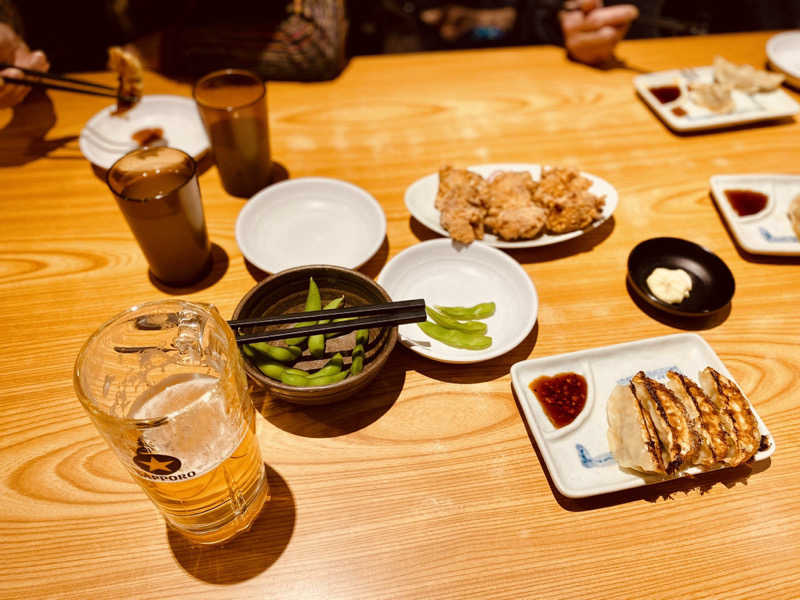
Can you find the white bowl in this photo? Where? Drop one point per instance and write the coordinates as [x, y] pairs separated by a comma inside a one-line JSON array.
[[310, 220]]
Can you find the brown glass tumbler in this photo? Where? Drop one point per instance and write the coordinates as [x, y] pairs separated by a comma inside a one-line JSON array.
[[157, 191], [233, 106]]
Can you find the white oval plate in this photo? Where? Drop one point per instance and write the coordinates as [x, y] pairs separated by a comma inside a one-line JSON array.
[[106, 137], [448, 273], [310, 220], [783, 52], [421, 195]]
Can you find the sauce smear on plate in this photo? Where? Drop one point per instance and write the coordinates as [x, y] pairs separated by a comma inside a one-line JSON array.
[[746, 202], [562, 396], [145, 137]]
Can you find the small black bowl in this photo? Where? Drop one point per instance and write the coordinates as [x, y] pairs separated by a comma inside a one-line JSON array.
[[712, 280]]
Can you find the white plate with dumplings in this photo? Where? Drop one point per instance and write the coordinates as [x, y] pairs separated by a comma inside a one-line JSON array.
[[667, 94], [578, 456]]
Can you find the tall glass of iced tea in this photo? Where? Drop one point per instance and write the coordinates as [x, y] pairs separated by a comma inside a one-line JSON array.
[[233, 106], [164, 384], [156, 190]]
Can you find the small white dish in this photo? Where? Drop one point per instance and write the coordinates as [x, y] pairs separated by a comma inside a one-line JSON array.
[[748, 108], [579, 461], [783, 52], [106, 137], [310, 220], [768, 231], [421, 195], [447, 273]]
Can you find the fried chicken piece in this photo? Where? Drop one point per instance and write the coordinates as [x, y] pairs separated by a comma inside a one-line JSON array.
[[565, 194], [461, 201], [511, 211], [129, 72]]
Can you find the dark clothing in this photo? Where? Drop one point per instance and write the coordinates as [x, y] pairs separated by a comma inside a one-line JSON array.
[[289, 40]]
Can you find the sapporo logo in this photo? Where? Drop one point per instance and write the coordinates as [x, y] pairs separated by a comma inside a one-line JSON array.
[[160, 467]]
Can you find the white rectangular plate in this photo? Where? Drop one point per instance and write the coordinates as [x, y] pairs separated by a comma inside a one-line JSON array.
[[766, 232], [577, 456], [749, 108]]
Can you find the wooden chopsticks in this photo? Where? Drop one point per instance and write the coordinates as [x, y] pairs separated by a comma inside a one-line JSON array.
[[42, 79], [374, 315]]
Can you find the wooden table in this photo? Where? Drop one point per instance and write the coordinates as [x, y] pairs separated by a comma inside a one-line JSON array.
[[429, 484]]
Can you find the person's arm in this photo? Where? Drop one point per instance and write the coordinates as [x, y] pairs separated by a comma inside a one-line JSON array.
[[15, 51], [307, 44]]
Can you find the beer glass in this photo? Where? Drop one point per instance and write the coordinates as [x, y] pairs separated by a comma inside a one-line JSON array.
[[164, 384], [233, 106]]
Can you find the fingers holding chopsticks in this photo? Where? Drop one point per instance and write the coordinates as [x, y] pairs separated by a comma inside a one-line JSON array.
[[15, 51]]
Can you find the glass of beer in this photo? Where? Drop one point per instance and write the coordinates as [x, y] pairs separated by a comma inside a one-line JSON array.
[[156, 189], [164, 384], [233, 106]]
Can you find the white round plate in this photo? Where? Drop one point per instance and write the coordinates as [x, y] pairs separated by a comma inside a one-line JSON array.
[[448, 273], [783, 52], [421, 195], [106, 137], [310, 220]]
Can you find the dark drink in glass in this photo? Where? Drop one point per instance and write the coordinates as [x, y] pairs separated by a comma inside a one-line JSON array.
[[233, 106], [157, 191]]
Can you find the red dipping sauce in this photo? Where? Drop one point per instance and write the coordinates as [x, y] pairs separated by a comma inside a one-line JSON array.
[[746, 202], [562, 396]]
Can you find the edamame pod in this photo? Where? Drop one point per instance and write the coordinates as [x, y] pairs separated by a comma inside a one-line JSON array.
[[279, 353], [316, 343], [358, 362], [333, 366], [455, 338], [271, 369], [479, 311], [451, 323], [313, 302], [301, 381]]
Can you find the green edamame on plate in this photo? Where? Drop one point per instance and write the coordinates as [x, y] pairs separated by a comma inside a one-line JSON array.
[[455, 338], [483, 310], [457, 326]]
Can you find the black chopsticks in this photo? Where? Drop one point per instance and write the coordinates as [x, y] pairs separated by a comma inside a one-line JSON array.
[[374, 315], [42, 79]]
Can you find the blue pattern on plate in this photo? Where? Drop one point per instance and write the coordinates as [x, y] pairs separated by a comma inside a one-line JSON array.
[[660, 373], [589, 462], [776, 239]]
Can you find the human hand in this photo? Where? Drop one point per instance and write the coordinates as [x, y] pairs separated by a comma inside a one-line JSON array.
[[16, 52], [591, 31]]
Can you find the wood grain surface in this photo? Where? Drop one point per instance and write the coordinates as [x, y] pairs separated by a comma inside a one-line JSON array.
[[429, 484]]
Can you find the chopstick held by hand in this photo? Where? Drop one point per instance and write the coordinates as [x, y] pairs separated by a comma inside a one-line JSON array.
[[15, 51]]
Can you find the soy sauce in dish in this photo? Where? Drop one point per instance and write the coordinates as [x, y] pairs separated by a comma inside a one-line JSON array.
[[666, 93], [679, 111], [562, 396], [746, 202]]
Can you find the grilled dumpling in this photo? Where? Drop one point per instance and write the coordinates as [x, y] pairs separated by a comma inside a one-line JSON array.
[[731, 402], [679, 442], [631, 435], [715, 443]]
